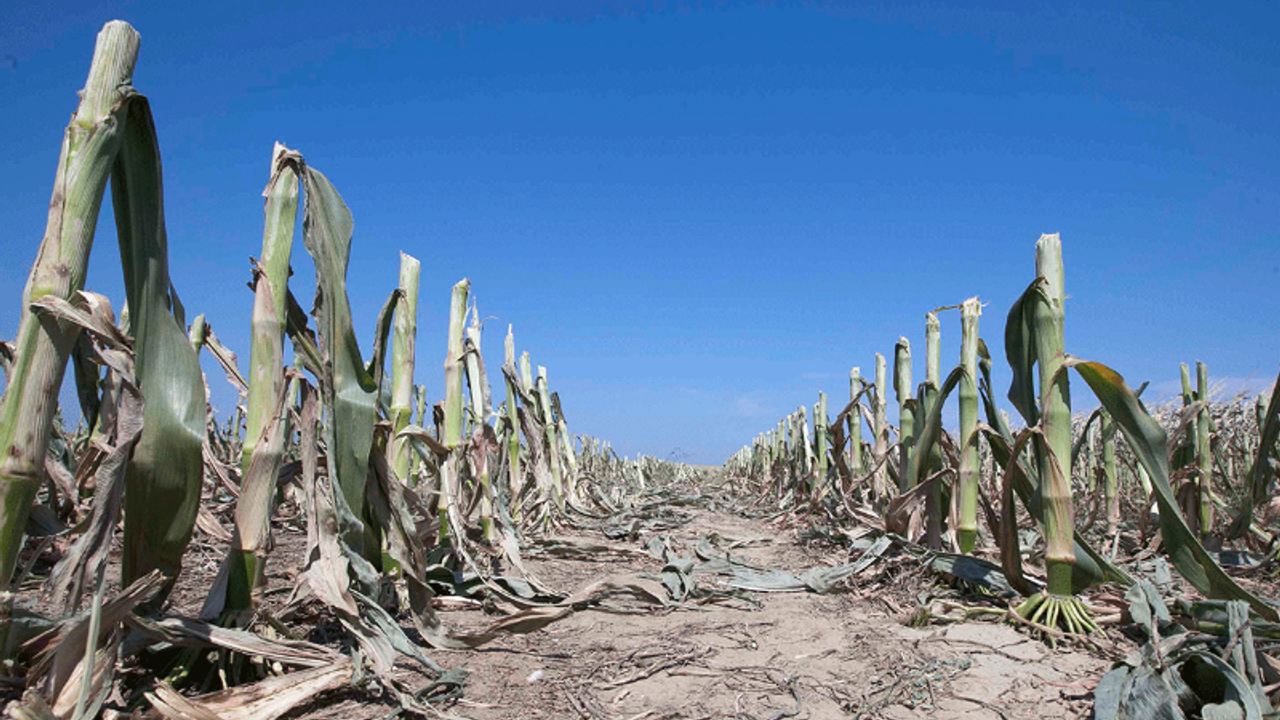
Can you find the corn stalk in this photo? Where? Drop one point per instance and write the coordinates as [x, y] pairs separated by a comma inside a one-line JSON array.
[[970, 463], [929, 396], [880, 430], [266, 413], [906, 409], [453, 399], [513, 432], [553, 456], [1045, 311], [1204, 453], [89, 150], [402, 361], [855, 423]]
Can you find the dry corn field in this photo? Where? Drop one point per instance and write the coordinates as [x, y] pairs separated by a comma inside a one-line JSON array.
[[346, 546]]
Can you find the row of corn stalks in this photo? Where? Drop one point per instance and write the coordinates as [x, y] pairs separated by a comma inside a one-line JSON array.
[[396, 492], [1201, 468]]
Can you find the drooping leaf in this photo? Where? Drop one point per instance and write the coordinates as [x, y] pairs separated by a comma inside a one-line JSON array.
[[1147, 440], [349, 392], [162, 484], [1262, 470], [1020, 351]]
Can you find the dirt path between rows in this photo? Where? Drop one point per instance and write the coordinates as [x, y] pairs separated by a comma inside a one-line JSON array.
[[802, 655]]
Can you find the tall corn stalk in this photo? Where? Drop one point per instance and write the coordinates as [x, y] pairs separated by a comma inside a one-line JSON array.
[[1047, 318], [1204, 452], [267, 414], [820, 430], [880, 430], [453, 393], [89, 150], [514, 474], [111, 135], [481, 409], [970, 463], [553, 454], [930, 396], [906, 409], [1110, 474], [855, 423], [402, 362]]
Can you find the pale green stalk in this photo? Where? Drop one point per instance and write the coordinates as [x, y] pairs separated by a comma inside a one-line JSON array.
[[570, 457], [513, 420], [970, 462], [1204, 451], [932, 349], [1055, 403], [820, 442], [855, 424], [480, 411], [880, 427], [933, 370], [526, 372], [453, 392], [553, 457], [423, 409], [806, 446], [1092, 480], [266, 384], [403, 342], [1188, 395], [198, 333], [1111, 478], [1144, 479], [454, 380], [89, 150], [906, 413]]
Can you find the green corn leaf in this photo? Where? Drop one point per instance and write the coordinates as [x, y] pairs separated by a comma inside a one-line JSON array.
[[162, 484], [1147, 440], [1020, 351], [928, 435], [349, 392]]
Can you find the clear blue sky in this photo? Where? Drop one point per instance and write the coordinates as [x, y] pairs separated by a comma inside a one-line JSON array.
[[698, 215]]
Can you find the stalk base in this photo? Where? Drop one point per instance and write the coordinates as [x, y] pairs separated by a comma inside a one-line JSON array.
[[1057, 612]]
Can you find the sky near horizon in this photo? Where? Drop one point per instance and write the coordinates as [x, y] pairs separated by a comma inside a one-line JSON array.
[[699, 215]]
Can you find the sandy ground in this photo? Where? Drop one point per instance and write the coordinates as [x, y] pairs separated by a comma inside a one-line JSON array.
[[803, 655]]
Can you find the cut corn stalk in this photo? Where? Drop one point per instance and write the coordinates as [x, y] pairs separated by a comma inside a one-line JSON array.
[[267, 417], [454, 382], [820, 424], [39, 357], [514, 475], [1204, 453], [906, 409], [481, 409], [969, 471], [1110, 477], [880, 429], [933, 454], [402, 362], [553, 454], [855, 424], [1036, 329]]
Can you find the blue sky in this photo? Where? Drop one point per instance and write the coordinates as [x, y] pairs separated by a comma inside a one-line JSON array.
[[698, 215]]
